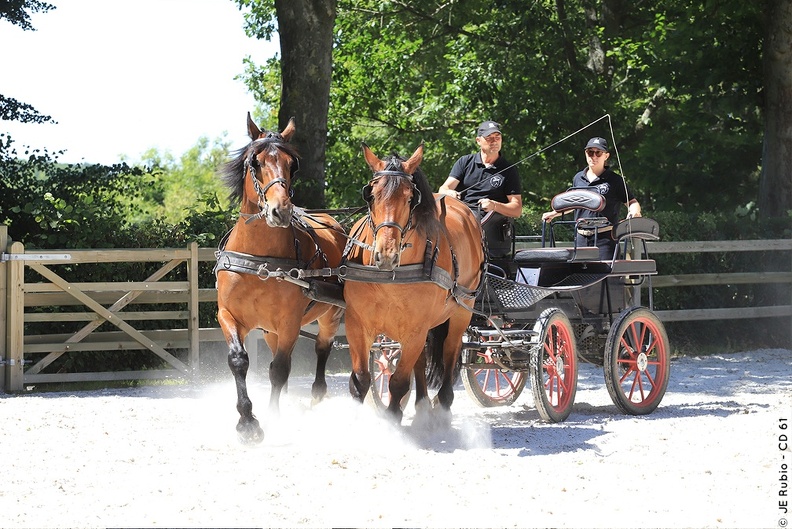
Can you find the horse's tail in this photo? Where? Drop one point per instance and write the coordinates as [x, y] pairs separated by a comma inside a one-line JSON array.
[[434, 355]]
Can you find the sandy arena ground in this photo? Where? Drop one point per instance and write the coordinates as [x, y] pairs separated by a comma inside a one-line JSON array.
[[714, 454]]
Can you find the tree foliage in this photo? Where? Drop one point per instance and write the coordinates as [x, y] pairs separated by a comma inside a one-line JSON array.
[[681, 84], [46, 204], [18, 13], [178, 187]]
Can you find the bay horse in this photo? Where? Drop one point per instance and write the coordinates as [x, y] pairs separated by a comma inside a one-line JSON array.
[[411, 275], [258, 263]]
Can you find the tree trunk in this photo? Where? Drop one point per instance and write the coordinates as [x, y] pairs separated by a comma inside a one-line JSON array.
[[775, 188], [305, 28]]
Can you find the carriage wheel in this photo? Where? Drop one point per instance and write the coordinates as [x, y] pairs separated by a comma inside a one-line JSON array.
[[490, 387], [637, 363], [554, 366], [382, 363]]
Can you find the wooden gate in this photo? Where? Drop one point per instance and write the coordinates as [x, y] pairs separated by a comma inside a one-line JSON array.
[[98, 302]]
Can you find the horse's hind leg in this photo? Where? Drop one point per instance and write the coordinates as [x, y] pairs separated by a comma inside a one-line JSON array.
[[452, 344], [279, 368], [328, 325], [248, 427]]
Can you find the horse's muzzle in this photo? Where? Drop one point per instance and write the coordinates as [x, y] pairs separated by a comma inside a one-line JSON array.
[[387, 262], [279, 217]]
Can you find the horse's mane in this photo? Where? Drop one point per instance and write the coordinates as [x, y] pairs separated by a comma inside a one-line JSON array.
[[425, 213], [232, 173]]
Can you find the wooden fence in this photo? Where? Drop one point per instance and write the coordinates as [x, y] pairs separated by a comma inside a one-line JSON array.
[[180, 344]]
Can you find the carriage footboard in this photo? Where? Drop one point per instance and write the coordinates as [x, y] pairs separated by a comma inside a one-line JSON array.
[[503, 294]]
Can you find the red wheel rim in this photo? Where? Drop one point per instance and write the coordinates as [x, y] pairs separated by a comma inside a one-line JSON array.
[[641, 362], [558, 366], [496, 384]]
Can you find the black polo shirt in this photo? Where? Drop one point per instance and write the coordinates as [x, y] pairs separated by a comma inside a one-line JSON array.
[[477, 181], [610, 185]]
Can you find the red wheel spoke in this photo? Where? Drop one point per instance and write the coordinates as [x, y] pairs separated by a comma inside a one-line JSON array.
[[635, 381], [497, 384], [486, 379], [627, 347], [651, 344], [651, 380], [626, 374]]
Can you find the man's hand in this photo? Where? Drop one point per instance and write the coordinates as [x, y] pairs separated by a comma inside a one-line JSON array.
[[488, 205], [449, 192]]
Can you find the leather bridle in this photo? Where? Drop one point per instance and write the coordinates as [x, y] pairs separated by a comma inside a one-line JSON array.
[[252, 167], [415, 199]]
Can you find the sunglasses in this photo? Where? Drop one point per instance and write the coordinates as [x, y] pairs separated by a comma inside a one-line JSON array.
[[594, 153]]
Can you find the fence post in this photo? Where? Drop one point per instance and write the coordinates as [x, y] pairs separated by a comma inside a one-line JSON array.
[[15, 316], [193, 325], [3, 309]]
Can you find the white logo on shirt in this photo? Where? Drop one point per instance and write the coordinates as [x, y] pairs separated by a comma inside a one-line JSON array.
[[496, 180]]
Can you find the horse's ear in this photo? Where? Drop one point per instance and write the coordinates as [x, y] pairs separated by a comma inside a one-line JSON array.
[[411, 165], [253, 131], [289, 130], [371, 159]]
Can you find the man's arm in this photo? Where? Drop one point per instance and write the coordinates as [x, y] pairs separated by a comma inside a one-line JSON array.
[[512, 208], [633, 209], [449, 187]]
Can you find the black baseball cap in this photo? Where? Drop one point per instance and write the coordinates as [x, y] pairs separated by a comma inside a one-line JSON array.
[[486, 128], [598, 143]]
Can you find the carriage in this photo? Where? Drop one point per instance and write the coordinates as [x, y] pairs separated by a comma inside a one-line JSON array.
[[425, 287]]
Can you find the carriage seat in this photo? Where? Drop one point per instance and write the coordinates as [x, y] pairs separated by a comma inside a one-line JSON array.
[[637, 228], [643, 229], [570, 200]]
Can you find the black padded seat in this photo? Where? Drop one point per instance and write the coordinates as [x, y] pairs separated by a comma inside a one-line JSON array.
[[536, 256], [638, 228]]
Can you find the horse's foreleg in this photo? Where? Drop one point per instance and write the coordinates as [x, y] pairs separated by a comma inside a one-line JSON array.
[[359, 350], [248, 427], [398, 388], [359, 384], [410, 363], [360, 377]]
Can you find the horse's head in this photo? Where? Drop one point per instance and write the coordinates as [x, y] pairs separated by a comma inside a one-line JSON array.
[[261, 175], [392, 196]]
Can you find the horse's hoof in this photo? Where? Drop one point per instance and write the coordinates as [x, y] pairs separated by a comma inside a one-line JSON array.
[[317, 397], [318, 392], [249, 432]]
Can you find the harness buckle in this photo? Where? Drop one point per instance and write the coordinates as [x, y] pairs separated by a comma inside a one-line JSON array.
[[263, 272]]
